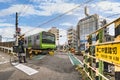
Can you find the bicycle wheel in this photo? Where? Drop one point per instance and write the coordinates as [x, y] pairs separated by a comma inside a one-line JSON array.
[[14, 59]]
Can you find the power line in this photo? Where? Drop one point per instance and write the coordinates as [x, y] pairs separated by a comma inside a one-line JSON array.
[[44, 23], [64, 14], [59, 15], [90, 22], [23, 9], [113, 15]]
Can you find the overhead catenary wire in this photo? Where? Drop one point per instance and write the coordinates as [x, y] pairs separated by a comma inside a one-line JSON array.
[[64, 14], [113, 15], [44, 23], [53, 18], [20, 14], [25, 8], [106, 17]]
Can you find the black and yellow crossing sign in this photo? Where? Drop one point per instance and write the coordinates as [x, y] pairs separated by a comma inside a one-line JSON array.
[[108, 52]]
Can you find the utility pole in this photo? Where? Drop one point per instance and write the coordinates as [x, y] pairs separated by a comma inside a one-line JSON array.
[[16, 30]]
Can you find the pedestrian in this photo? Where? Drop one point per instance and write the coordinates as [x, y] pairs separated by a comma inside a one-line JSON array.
[[21, 53]]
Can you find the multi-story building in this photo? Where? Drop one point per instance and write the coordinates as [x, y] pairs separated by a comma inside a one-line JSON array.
[[55, 31], [86, 26], [72, 38]]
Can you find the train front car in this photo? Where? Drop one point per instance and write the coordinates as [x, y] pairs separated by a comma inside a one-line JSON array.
[[47, 41], [43, 42]]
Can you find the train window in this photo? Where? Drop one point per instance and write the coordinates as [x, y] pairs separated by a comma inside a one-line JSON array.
[[37, 37], [29, 39], [25, 41]]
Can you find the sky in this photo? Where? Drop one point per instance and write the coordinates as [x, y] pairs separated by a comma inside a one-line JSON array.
[[33, 13]]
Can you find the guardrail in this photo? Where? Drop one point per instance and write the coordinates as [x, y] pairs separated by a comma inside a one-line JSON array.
[[6, 49]]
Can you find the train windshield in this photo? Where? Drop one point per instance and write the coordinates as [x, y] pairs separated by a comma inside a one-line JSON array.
[[48, 37]]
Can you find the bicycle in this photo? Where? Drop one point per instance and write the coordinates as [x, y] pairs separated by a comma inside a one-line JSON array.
[[14, 60]]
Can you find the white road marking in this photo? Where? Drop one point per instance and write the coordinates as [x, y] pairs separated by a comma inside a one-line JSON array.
[[71, 60], [79, 61], [26, 69], [4, 62]]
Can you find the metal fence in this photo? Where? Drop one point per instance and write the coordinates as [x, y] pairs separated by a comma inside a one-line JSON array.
[[101, 54]]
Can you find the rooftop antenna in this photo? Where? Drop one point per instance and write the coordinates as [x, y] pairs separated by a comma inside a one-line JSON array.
[[86, 11]]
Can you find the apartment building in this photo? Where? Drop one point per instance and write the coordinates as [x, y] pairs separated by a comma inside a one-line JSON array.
[[55, 31], [72, 38], [86, 26]]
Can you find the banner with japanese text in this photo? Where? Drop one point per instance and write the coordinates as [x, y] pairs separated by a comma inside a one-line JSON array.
[[109, 52]]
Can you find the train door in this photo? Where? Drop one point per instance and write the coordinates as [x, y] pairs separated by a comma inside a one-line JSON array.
[[37, 41]]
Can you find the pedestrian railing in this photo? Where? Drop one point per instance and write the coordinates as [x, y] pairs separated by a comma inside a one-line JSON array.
[[6, 49], [101, 53]]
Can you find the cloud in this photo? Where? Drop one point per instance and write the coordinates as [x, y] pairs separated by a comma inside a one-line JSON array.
[[28, 30], [81, 16], [48, 1], [51, 7], [66, 24], [108, 19], [106, 9], [26, 9], [7, 31], [107, 6], [54, 8], [42, 10], [103, 9], [6, 25]]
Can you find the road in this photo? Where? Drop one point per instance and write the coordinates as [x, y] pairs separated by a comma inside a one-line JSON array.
[[57, 67]]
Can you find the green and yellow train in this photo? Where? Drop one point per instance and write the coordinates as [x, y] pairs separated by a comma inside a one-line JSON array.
[[43, 42]]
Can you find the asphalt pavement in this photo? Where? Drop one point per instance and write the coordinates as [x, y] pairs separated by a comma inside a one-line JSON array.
[[57, 67]]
